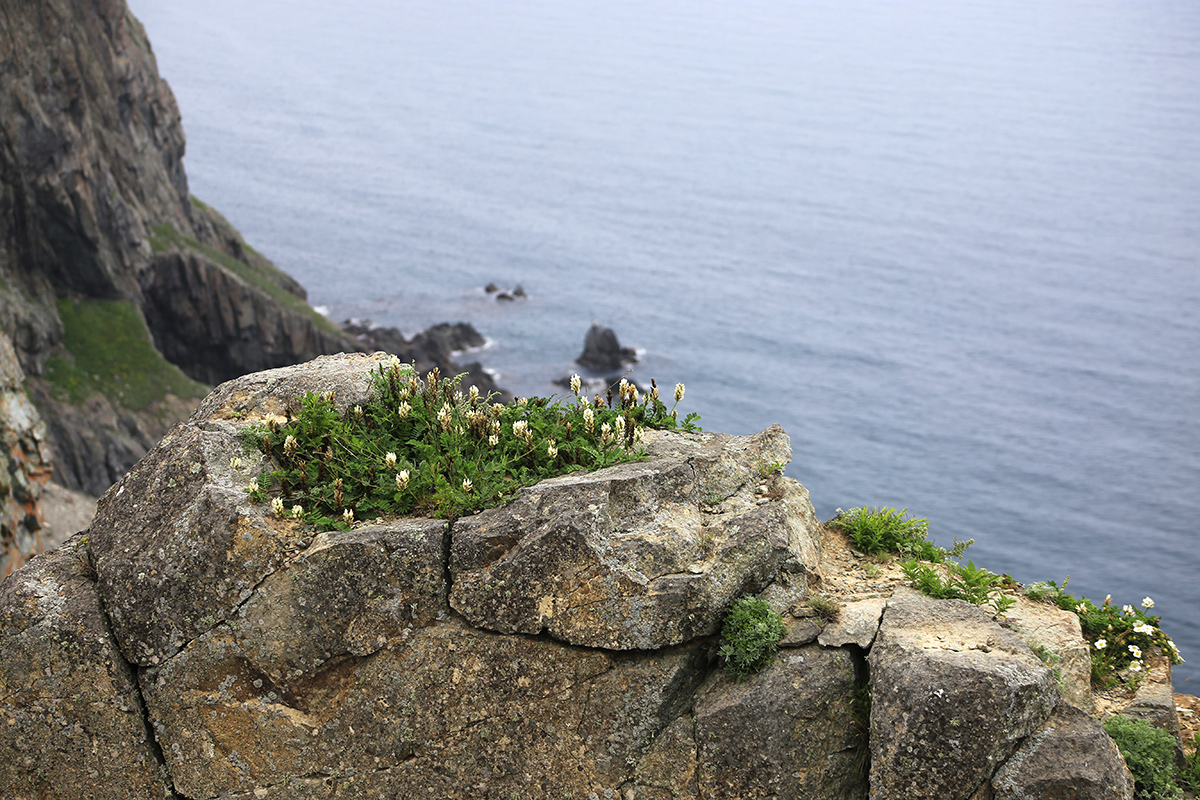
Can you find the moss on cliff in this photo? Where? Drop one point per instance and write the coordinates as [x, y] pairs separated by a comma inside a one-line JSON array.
[[107, 350]]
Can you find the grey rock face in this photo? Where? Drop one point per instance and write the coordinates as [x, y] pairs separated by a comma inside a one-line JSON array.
[[24, 466], [217, 326], [790, 731], [952, 695], [1069, 737], [633, 557], [71, 719]]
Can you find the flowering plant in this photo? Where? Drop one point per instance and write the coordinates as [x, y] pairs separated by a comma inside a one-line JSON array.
[[425, 447], [1119, 635]]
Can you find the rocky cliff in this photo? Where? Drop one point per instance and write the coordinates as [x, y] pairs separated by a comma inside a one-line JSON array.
[[112, 278], [194, 644]]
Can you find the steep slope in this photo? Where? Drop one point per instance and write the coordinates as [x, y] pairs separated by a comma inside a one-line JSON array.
[[110, 273]]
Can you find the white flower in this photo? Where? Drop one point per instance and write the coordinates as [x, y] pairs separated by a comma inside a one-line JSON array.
[[403, 410], [1101, 644], [1143, 628], [576, 385], [445, 416], [277, 506], [466, 485], [493, 440], [605, 432], [1081, 608], [551, 449], [358, 412], [589, 419], [1135, 666], [290, 444], [297, 511], [235, 463], [402, 480], [619, 427], [348, 516], [390, 460], [1127, 610], [678, 392], [1137, 651], [473, 394], [1147, 602], [521, 430]]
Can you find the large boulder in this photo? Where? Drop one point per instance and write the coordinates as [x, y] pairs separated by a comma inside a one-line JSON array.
[[1070, 756], [72, 723], [640, 555], [952, 696], [602, 352]]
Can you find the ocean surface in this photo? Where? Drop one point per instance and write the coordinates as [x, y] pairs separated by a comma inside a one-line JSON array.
[[952, 247]]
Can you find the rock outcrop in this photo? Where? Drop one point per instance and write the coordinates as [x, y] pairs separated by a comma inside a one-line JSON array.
[[602, 352], [24, 466], [94, 207], [192, 644]]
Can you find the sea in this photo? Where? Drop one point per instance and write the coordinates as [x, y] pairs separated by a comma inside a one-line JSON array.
[[951, 246]]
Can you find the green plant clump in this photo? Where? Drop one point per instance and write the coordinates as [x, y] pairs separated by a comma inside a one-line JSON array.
[[883, 531], [750, 636], [427, 447], [1150, 755], [1120, 636], [108, 351], [974, 584]]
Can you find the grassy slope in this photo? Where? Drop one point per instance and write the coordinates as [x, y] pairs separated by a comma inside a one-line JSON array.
[[108, 351]]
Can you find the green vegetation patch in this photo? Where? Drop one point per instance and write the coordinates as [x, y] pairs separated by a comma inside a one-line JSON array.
[[430, 448], [882, 531], [750, 636], [1150, 755], [165, 237], [108, 351], [1120, 636], [929, 568]]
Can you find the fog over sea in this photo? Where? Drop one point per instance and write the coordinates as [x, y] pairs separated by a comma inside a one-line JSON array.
[[952, 247]]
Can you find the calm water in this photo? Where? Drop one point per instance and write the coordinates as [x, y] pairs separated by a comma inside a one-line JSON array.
[[951, 247]]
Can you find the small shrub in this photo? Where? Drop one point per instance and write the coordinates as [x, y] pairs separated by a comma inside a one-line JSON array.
[[1189, 776], [1150, 755], [749, 636]]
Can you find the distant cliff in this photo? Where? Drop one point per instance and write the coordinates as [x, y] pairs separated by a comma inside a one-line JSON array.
[[124, 297]]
